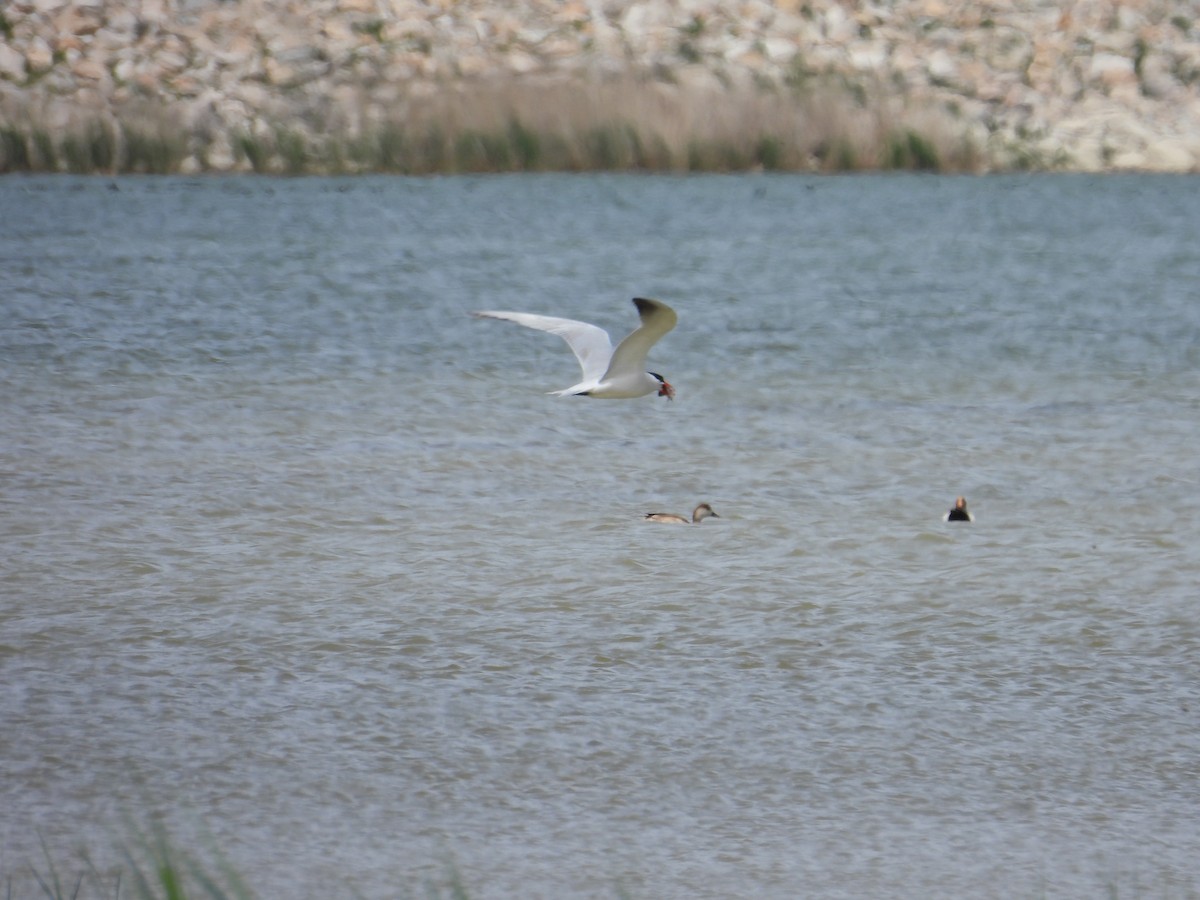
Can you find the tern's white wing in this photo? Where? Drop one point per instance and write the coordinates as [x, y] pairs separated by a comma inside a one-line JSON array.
[[630, 355], [590, 343]]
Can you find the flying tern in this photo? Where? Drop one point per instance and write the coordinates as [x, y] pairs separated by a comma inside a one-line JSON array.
[[607, 373]]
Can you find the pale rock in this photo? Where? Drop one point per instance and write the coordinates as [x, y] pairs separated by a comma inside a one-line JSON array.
[[185, 86], [747, 56], [414, 32], [153, 12], [1127, 161], [1087, 155], [838, 26], [1126, 93], [1128, 19], [1111, 69], [906, 59], [868, 56], [1157, 79], [941, 66], [521, 63], [220, 154], [126, 70], [1007, 49], [1046, 61], [170, 62], [778, 49], [559, 48], [68, 46], [339, 31], [77, 20], [38, 55], [89, 69], [12, 63], [1068, 84], [1129, 130], [122, 21], [239, 51], [824, 57], [531, 36], [472, 64], [570, 12], [1170, 155], [277, 72]]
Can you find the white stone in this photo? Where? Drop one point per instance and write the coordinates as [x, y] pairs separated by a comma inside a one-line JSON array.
[[122, 21], [522, 63], [941, 66], [220, 154], [1128, 161], [12, 63], [1111, 68], [1169, 155], [89, 69], [779, 49], [838, 26], [868, 56], [126, 70], [171, 62], [38, 55], [1157, 79]]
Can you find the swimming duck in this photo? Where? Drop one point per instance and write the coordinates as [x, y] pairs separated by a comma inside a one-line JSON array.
[[959, 512], [699, 514]]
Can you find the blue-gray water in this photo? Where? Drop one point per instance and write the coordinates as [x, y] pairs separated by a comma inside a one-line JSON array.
[[300, 560]]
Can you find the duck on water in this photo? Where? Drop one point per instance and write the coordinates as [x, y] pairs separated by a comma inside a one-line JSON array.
[[959, 512], [699, 514]]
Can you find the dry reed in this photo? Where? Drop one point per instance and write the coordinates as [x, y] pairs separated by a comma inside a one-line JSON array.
[[627, 123]]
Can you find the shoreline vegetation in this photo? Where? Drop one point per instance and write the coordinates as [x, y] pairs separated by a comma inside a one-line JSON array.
[[624, 124], [381, 86], [152, 867]]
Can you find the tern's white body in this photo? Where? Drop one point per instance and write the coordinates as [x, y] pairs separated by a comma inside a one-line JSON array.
[[699, 514], [607, 373]]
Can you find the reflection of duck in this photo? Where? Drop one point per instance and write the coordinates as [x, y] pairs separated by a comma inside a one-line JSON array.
[[699, 514], [959, 513]]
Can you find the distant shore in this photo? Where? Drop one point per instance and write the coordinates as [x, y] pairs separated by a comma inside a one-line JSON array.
[[290, 86]]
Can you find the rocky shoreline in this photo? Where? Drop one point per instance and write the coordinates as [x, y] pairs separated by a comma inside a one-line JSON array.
[[1097, 85]]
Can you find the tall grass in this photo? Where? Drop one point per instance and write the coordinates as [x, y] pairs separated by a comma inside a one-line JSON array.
[[625, 124], [147, 147], [154, 868]]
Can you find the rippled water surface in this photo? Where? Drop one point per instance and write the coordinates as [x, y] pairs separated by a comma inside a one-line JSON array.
[[300, 561]]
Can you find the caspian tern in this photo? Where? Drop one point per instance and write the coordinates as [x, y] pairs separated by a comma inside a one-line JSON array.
[[959, 513], [608, 374], [699, 514]]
